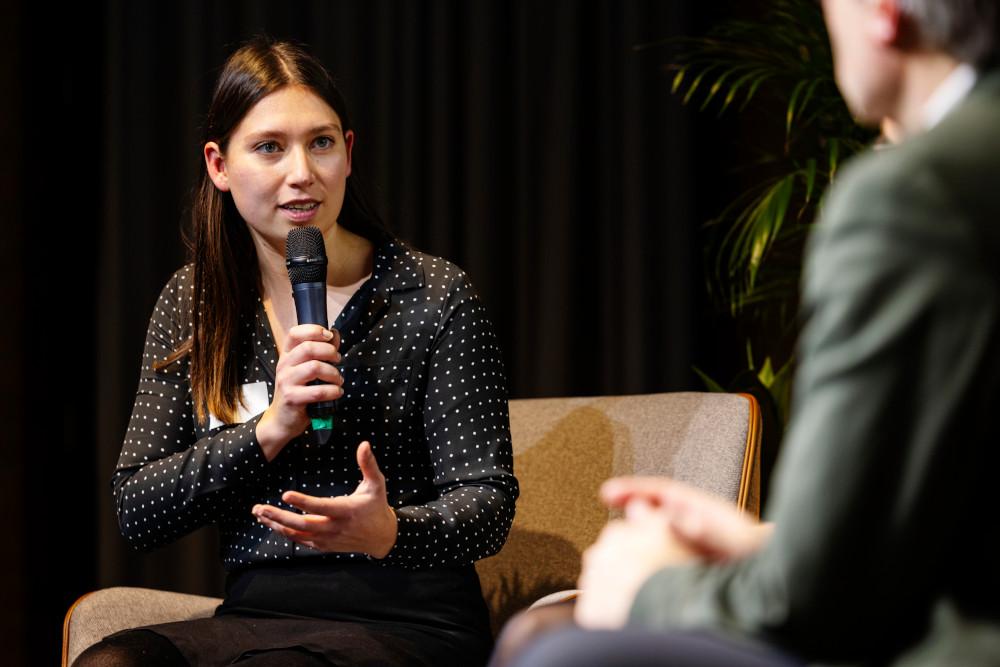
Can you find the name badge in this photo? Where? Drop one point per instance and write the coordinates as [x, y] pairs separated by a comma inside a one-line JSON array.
[[254, 402]]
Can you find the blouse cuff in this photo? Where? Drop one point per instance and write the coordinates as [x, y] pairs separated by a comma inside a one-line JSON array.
[[414, 547]]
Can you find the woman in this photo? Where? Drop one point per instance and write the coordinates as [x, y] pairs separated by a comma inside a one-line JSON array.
[[357, 550]]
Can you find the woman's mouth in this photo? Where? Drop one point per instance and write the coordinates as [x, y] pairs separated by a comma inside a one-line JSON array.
[[299, 211]]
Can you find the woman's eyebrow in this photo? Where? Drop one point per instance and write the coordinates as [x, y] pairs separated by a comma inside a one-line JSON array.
[[279, 134]]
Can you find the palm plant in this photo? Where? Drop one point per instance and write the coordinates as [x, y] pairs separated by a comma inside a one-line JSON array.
[[780, 63]]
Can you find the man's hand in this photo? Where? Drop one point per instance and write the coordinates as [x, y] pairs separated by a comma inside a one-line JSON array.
[[666, 523], [707, 525], [626, 554], [362, 522]]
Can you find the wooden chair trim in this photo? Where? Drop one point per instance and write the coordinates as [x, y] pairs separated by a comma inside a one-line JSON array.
[[751, 454], [65, 633]]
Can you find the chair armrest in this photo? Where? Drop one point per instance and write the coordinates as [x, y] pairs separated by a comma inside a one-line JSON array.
[[101, 613], [556, 598]]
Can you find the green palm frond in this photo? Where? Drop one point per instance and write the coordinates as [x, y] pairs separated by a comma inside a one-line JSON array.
[[756, 257], [787, 52]]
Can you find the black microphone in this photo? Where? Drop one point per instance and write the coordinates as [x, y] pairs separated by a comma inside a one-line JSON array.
[[305, 258]]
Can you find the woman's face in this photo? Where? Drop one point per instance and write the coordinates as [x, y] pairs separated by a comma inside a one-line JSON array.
[[286, 164]]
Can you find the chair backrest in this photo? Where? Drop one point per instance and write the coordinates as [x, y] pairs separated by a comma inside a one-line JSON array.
[[564, 448]]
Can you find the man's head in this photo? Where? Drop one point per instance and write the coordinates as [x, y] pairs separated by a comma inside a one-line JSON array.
[[876, 41]]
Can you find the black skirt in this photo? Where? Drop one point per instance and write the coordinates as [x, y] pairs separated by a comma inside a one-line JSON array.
[[353, 614]]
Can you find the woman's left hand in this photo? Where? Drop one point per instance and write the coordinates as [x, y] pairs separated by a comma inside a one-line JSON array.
[[362, 522]]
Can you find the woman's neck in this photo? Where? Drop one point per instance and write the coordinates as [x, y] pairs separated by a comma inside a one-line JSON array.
[[349, 259]]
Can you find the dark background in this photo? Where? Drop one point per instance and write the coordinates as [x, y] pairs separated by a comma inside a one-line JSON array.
[[529, 142]]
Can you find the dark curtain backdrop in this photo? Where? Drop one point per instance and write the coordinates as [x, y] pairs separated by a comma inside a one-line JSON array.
[[529, 142]]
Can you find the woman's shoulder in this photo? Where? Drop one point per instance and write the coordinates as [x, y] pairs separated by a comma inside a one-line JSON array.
[[410, 267], [175, 297], [183, 277], [180, 283]]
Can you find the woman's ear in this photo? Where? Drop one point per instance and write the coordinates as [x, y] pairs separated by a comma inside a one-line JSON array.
[[348, 146], [215, 163]]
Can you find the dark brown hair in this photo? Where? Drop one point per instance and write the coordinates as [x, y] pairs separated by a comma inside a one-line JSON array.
[[226, 272]]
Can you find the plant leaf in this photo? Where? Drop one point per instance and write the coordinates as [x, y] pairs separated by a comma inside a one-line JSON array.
[[678, 79], [766, 373], [709, 382], [714, 90], [834, 156], [694, 85], [792, 101]]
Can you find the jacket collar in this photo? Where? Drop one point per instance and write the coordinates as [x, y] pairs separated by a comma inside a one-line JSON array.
[[396, 268]]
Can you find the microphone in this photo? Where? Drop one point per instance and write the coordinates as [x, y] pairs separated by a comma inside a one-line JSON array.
[[305, 258]]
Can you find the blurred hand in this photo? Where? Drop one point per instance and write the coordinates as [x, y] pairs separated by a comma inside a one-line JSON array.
[[626, 554], [362, 522], [309, 354], [707, 525]]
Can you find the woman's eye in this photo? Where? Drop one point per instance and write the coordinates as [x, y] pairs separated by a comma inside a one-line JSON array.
[[266, 147], [323, 142]]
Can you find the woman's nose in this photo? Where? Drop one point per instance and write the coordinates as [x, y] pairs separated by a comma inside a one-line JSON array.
[[300, 167]]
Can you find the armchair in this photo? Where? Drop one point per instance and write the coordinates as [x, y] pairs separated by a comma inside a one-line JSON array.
[[564, 448]]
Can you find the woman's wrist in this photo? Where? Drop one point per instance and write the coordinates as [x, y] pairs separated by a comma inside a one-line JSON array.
[[392, 534], [269, 437]]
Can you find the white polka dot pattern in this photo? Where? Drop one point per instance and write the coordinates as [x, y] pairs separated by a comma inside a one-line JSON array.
[[424, 382]]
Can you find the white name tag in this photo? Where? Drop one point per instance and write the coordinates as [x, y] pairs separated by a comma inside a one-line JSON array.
[[254, 402]]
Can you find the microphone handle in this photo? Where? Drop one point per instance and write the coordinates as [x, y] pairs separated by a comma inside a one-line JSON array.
[[310, 308]]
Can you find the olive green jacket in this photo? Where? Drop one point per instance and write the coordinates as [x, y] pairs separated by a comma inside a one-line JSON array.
[[887, 543]]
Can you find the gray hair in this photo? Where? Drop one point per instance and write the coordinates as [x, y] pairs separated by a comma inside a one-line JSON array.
[[967, 29]]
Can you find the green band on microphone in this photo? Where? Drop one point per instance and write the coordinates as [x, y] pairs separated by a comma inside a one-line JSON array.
[[322, 423]]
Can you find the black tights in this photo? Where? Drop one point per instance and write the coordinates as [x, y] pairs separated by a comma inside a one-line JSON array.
[[145, 648]]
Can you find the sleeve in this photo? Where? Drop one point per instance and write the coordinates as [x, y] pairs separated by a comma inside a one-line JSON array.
[[168, 483], [467, 426], [879, 463]]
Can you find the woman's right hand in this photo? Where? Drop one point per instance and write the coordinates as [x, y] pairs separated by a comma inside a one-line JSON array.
[[309, 354]]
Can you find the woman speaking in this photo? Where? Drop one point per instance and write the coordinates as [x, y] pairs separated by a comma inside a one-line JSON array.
[[355, 548]]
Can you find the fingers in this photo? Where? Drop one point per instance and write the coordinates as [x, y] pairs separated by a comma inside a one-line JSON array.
[[705, 523], [281, 529], [310, 350], [310, 353], [369, 467], [310, 360], [307, 539], [302, 333], [617, 492], [307, 370], [661, 492], [299, 522], [330, 508], [639, 509], [299, 395]]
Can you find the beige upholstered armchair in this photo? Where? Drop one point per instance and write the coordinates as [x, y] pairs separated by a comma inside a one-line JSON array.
[[563, 449]]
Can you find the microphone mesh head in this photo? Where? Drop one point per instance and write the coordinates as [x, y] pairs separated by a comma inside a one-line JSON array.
[[305, 255]]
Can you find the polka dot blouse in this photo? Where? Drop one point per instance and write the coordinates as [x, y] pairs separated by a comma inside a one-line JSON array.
[[423, 381]]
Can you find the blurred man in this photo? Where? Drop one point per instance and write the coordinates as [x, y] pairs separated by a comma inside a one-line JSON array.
[[884, 546]]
